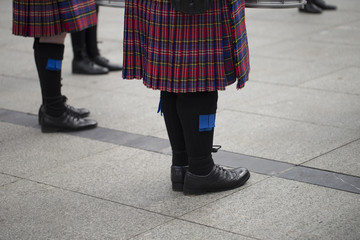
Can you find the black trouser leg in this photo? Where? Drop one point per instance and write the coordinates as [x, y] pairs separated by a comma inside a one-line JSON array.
[[174, 129], [48, 60]]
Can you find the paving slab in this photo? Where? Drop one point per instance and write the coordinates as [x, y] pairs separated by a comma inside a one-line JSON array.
[[136, 87], [37, 152], [255, 42], [6, 179], [112, 83], [350, 6], [20, 47], [111, 23], [299, 107], [278, 139], [288, 72], [336, 34], [109, 82], [283, 209], [344, 80], [255, 164], [6, 16], [343, 160], [252, 92], [344, 14], [308, 105], [178, 229], [126, 111], [323, 178], [278, 29], [130, 176], [36, 211], [18, 118], [4, 40], [10, 132], [12, 94], [19, 57], [317, 52]]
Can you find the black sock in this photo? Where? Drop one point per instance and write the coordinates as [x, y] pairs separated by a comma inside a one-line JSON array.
[[48, 59], [179, 158], [189, 119], [91, 39], [196, 112], [174, 129], [91, 42], [78, 42]]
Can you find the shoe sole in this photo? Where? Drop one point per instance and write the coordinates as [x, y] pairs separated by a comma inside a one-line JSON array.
[[177, 187], [114, 69], [79, 115], [46, 129], [189, 191]]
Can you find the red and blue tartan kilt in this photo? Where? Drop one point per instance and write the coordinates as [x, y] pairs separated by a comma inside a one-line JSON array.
[[176, 52], [45, 18]]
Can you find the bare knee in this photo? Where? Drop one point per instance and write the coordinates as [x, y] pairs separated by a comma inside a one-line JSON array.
[[57, 39]]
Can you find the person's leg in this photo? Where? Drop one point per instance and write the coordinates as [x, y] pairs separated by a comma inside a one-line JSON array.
[[55, 114], [174, 129], [91, 39], [196, 112], [81, 63], [48, 53], [78, 44], [59, 40], [93, 50], [176, 137], [91, 42]]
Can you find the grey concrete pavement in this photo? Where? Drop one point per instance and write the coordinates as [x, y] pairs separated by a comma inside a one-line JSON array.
[[295, 125]]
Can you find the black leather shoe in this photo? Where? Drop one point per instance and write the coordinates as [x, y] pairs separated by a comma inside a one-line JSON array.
[[310, 8], [65, 123], [322, 4], [77, 112], [100, 60], [85, 66], [219, 179], [177, 177]]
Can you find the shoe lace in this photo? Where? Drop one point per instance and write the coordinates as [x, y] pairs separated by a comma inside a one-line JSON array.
[[222, 170], [215, 148], [104, 59], [69, 109], [64, 98]]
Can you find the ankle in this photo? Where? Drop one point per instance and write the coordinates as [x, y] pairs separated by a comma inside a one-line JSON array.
[[179, 158], [201, 166], [55, 106]]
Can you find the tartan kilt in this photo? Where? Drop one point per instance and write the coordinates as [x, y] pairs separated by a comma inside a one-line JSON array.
[[177, 52], [45, 18]]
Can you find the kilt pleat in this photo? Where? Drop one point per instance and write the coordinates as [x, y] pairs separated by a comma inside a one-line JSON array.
[[177, 52], [44, 18]]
